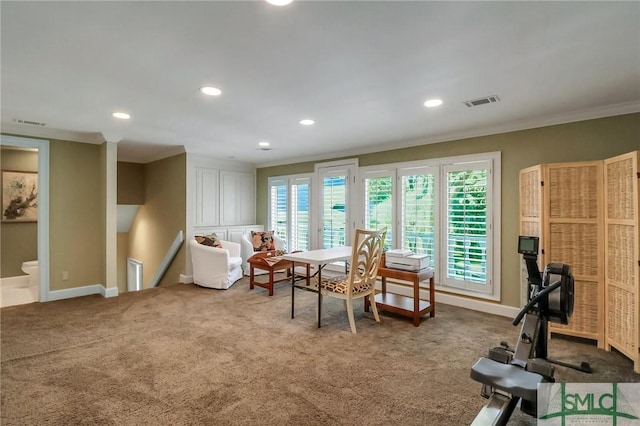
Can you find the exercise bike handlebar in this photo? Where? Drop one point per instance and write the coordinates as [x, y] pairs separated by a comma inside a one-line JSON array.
[[535, 300]]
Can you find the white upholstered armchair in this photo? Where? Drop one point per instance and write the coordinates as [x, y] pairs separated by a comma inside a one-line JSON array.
[[216, 267], [247, 251]]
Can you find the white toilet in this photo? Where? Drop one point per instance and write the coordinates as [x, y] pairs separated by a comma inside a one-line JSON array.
[[32, 269]]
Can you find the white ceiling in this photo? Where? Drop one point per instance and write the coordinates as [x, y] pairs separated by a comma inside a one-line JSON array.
[[361, 69]]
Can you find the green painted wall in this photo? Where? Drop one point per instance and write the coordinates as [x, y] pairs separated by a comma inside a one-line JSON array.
[[160, 218], [580, 141], [130, 183], [76, 214]]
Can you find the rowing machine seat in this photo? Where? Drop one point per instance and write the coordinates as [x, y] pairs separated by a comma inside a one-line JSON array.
[[508, 378]]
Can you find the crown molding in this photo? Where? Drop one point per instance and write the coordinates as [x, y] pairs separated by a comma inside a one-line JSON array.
[[158, 152], [95, 138], [544, 121]]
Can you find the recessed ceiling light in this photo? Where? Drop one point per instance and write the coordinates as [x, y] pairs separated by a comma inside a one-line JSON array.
[[263, 144], [433, 103], [307, 122], [279, 2], [211, 91], [121, 115]]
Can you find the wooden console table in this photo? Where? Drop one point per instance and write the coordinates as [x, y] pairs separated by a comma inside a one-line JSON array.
[[411, 307]]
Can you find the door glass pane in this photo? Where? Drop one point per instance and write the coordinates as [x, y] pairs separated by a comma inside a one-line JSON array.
[[278, 204], [333, 211], [300, 217]]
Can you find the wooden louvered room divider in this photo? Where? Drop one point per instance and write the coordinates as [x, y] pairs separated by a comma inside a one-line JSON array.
[[586, 215], [622, 255], [573, 233], [531, 214]]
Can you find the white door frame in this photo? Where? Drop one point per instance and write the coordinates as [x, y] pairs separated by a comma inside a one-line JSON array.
[[42, 146]]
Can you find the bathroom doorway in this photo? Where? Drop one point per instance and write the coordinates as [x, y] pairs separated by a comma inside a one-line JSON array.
[[27, 157]]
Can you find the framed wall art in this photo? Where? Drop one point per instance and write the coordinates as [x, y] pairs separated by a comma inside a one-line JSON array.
[[19, 196]]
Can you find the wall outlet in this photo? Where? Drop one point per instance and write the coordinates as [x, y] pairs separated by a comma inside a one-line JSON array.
[[65, 275]]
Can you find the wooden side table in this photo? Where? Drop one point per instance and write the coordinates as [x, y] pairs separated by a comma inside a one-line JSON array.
[[411, 307], [259, 261]]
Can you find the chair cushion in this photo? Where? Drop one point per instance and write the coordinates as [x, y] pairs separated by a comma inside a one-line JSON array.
[[235, 262], [210, 240], [262, 240], [340, 284]]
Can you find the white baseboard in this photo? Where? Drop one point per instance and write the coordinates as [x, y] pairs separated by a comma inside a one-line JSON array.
[[478, 305], [186, 279], [70, 293], [109, 292], [453, 300]]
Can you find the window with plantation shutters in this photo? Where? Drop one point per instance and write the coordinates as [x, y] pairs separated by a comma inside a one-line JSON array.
[[335, 225], [467, 226], [445, 208], [417, 187], [289, 214], [379, 203]]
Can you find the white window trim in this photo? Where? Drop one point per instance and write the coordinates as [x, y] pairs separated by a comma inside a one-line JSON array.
[[495, 220]]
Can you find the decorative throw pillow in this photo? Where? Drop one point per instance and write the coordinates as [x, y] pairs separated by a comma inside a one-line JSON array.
[[262, 240], [210, 240]]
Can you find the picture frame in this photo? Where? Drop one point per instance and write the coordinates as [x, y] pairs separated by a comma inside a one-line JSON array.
[[19, 196]]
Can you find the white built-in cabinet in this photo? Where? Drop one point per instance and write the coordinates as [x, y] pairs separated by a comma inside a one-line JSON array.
[[224, 197], [228, 233], [237, 198], [207, 206]]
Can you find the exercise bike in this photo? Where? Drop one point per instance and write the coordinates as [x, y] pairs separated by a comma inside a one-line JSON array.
[[510, 376]]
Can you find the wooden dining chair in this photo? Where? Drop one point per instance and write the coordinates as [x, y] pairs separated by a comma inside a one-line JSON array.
[[360, 281]]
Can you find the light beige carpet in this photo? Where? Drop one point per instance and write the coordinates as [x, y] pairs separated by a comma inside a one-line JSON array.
[[184, 355]]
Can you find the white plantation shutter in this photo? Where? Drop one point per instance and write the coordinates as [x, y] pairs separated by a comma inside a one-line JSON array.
[[333, 200], [278, 210], [300, 214], [467, 225], [418, 188], [378, 203]]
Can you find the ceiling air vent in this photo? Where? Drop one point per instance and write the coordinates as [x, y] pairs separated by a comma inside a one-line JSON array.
[[482, 101], [29, 122]]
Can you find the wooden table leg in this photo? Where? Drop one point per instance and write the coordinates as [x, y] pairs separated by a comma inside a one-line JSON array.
[[432, 297], [271, 281], [319, 294], [251, 274], [416, 302], [293, 286]]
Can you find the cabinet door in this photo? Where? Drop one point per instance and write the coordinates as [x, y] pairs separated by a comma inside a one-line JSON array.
[[237, 200], [236, 233], [206, 197]]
